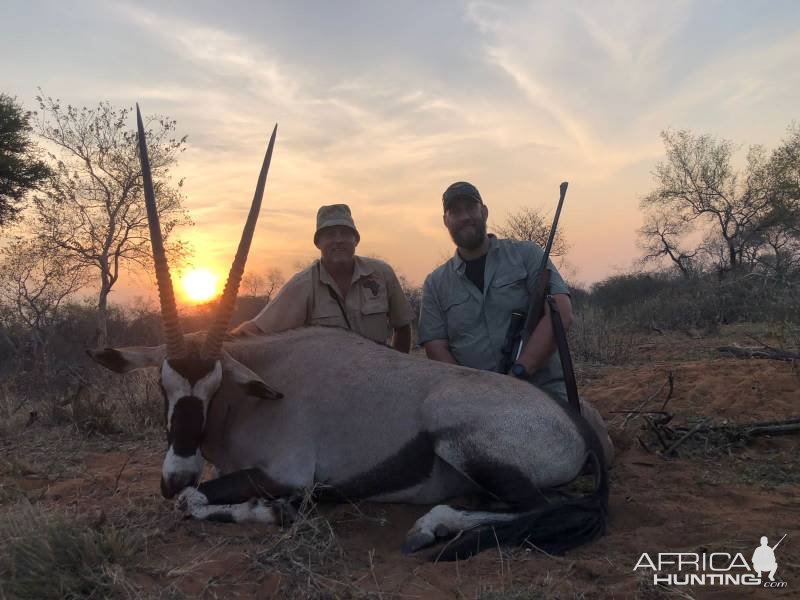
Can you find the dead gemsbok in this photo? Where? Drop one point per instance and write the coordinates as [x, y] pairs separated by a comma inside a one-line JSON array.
[[357, 420]]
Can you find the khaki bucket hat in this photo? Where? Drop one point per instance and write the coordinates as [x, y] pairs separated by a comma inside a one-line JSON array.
[[334, 214]]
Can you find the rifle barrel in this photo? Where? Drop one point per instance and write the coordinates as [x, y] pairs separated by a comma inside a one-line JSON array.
[[551, 236], [779, 541]]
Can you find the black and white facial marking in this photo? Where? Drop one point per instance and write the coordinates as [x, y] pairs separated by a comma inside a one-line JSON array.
[[188, 385]]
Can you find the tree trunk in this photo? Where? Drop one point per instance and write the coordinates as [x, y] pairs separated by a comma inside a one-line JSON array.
[[733, 256], [101, 333]]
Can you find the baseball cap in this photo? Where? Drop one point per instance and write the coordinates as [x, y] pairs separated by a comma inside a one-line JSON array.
[[460, 189]]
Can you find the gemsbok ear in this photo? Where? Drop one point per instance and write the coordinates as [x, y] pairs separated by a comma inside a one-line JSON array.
[[251, 383], [123, 360]]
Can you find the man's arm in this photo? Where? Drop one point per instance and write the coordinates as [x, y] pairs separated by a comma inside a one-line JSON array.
[[402, 339], [432, 326], [246, 328], [542, 343], [288, 310], [399, 312], [439, 350]]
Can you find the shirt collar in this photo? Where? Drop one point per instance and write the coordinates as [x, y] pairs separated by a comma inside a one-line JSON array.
[[458, 262], [360, 269]]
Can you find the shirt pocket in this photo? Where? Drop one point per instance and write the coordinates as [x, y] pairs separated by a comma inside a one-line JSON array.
[[327, 312], [510, 289], [458, 314], [374, 297]]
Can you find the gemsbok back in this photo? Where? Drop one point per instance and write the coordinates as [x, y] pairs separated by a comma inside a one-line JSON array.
[[356, 420]]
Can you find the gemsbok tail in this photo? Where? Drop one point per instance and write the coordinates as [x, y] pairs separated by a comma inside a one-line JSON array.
[[555, 529]]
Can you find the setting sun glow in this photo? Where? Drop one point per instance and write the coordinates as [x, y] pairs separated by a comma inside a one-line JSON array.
[[199, 285]]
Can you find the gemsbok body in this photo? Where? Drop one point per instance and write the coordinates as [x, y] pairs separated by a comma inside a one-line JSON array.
[[324, 409]]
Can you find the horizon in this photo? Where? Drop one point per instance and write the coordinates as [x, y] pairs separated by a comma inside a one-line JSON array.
[[381, 107]]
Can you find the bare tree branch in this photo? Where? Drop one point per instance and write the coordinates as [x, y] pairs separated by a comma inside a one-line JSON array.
[[697, 185], [529, 225]]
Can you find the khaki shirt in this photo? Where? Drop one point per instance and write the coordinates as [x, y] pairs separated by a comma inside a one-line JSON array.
[[375, 302], [475, 323]]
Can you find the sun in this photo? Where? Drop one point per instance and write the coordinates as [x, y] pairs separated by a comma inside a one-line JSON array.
[[199, 285]]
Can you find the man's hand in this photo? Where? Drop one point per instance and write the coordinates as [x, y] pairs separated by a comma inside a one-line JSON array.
[[401, 340], [245, 328], [542, 343], [439, 350]]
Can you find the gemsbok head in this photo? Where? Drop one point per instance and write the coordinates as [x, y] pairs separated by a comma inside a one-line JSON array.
[[191, 368]]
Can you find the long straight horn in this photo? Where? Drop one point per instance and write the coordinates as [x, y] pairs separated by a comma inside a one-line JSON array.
[[176, 348], [216, 333]]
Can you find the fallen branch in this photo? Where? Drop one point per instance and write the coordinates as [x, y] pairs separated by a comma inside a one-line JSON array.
[[774, 429], [757, 428], [630, 414], [686, 436], [716, 434], [789, 421], [763, 352]]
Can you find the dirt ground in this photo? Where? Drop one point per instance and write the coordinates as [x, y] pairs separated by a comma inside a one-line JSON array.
[[712, 496]]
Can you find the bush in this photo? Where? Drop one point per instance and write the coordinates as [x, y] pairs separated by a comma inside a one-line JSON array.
[[593, 338], [60, 384], [667, 301], [48, 555]]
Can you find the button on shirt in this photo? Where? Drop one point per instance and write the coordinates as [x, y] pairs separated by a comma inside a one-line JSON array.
[[475, 323], [375, 302]]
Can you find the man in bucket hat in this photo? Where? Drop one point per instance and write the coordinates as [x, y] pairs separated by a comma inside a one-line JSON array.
[[340, 289]]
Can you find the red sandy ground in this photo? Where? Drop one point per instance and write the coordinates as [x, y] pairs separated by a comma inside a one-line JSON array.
[[692, 503]]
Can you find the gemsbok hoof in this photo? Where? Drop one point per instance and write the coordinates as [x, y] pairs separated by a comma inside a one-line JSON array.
[[417, 540], [285, 512], [189, 500]]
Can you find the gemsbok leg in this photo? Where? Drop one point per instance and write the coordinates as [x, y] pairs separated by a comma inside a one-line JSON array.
[[247, 495]]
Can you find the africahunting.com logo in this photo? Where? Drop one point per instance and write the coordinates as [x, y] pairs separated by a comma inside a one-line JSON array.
[[715, 568]]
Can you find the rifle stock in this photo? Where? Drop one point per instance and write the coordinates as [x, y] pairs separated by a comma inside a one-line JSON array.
[[539, 296]]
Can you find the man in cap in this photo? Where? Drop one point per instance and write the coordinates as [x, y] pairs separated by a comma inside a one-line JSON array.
[[467, 302], [340, 289]]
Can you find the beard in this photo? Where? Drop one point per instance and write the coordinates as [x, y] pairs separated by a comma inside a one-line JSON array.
[[469, 238]]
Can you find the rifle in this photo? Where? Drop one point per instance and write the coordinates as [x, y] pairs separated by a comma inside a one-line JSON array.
[[541, 295], [517, 337], [779, 541]]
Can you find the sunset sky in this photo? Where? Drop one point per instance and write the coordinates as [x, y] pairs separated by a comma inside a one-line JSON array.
[[381, 105]]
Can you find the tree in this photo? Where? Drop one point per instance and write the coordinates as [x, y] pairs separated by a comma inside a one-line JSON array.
[[413, 294], [529, 225], [785, 164], [34, 284], [264, 286], [697, 186], [92, 208], [660, 237], [252, 284], [274, 282], [20, 168]]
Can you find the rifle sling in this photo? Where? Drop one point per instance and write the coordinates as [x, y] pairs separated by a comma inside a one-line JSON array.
[[563, 352], [333, 295]]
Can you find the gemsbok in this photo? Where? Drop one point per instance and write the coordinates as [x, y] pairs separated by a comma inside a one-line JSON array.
[[359, 421]]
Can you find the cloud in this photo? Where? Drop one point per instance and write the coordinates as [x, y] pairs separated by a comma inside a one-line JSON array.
[[380, 109]]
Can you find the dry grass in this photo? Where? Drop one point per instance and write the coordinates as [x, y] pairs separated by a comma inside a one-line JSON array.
[[104, 404], [309, 557], [51, 555], [596, 339]]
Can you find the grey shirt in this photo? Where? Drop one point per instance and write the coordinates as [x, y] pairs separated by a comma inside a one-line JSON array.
[[475, 324]]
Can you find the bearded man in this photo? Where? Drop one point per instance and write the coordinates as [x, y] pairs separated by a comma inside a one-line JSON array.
[[467, 302]]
